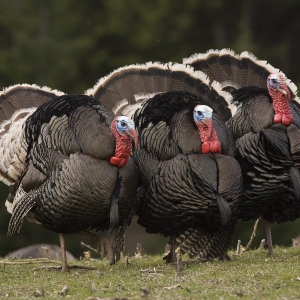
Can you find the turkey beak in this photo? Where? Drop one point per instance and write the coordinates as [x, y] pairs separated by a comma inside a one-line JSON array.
[[204, 121], [282, 91], [133, 134]]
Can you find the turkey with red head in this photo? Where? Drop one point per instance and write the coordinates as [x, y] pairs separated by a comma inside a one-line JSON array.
[[68, 159], [190, 181], [266, 128]]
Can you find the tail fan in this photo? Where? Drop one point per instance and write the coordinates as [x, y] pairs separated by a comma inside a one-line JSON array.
[[118, 243], [204, 244], [295, 179], [124, 90], [22, 96], [224, 208], [17, 103], [21, 207], [234, 71]]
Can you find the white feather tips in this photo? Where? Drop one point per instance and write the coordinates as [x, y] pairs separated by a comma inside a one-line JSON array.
[[119, 106], [227, 51], [227, 97], [9, 205], [129, 110], [105, 79], [204, 56], [18, 116], [31, 86]]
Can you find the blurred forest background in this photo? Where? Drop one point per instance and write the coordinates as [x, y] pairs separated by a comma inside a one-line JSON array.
[[68, 45]]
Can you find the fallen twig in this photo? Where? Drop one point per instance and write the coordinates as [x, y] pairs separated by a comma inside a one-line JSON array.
[[172, 287], [150, 271], [252, 235], [59, 267], [89, 247], [29, 261]]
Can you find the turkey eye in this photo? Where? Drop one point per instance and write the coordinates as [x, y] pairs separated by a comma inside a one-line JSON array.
[[199, 113], [123, 124]]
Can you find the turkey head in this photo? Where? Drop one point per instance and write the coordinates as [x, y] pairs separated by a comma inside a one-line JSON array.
[[123, 130], [281, 97], [203, 119]]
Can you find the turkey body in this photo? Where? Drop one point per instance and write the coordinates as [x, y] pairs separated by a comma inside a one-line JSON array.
[[267, 144], [70, 147], [269, 154], [68, 183], [187, 190]]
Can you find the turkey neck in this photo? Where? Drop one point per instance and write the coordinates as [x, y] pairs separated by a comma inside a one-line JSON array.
[[281, 107], [123, 148], [208, 136]]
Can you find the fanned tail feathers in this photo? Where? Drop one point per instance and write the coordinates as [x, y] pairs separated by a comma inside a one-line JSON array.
[[224, 208], [235, 71], [21, 206], [23, 203], [17, 103], [22, 96], [124, 90], [204, 244], [119, 233]]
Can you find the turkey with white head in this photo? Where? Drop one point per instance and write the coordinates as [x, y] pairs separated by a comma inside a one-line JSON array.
[[69, 160], [266, 127], [190, 182]]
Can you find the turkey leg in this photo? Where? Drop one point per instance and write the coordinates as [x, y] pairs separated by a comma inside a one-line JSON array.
[[269, 238], [171, 257], [64, 263]]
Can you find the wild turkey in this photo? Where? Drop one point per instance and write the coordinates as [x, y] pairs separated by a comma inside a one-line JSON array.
[[69, 160], [189, 180], [266, 129]]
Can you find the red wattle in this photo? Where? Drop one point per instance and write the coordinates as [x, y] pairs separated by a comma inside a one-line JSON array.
[[115, 161], [287, 119], [277, 118], [123, 146], [122, 163], [205, 147], [281, 102], [118, 161], [209, 138], [215, 147]]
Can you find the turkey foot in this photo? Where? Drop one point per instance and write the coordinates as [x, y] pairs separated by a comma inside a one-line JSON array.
[[224, 257]]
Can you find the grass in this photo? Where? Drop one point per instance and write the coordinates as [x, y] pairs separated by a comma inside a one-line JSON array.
[[247, 276]]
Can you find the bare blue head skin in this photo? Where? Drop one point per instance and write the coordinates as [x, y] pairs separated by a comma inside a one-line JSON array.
[[276, 82], [201, 113], [124, 125]]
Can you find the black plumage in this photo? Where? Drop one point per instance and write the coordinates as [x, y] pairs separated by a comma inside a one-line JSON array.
[[67, 181], [267, 151], [184, 193]]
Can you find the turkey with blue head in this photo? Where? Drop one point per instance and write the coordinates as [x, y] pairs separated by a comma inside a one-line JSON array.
[[68, 159], [190, 184], [266, 127]]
